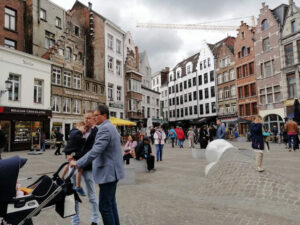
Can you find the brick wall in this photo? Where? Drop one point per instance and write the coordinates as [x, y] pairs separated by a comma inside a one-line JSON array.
[[18, 34]]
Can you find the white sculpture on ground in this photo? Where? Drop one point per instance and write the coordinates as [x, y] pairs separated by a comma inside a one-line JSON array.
[[214, 152]]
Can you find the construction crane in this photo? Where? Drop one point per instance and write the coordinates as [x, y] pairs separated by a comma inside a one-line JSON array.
[[200, 26]]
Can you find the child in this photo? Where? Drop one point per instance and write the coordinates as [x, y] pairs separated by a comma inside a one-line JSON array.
[[74, 145]]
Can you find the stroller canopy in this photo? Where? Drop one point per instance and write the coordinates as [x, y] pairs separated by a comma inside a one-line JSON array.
[[9, 171]]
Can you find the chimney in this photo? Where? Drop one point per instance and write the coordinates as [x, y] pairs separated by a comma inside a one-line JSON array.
[[90, 6], [291, 2]]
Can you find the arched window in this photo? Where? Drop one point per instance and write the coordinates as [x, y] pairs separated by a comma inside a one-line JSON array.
[[244, 51], [264, 24], [272, 121]]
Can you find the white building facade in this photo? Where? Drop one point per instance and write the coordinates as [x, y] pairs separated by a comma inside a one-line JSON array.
[[25, 102], [191, 88], [114, 69]]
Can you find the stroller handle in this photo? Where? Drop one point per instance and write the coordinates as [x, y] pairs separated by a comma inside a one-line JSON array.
[[55, 175]]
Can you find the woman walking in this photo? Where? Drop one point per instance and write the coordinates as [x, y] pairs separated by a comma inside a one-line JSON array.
[[59, 140], [191, 137], [203, 137], [257, 141], [159, 141]]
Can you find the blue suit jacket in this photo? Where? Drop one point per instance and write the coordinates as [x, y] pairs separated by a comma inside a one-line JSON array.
[[106, 155]]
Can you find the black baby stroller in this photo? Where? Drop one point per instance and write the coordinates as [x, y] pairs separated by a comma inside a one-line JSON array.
[[46, 192]]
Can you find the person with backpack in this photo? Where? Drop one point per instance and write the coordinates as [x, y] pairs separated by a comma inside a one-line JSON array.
[[159, 141], [172, 135]]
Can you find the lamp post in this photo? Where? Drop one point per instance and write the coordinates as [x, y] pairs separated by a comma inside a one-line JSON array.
[[8, 85]]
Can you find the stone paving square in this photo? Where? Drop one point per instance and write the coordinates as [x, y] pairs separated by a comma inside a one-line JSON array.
[[178, 193]]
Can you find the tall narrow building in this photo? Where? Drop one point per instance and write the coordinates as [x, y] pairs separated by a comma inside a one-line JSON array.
[[267, 65], [246, 77]]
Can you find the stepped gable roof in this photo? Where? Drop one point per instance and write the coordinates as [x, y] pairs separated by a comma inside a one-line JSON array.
[[194, 59]]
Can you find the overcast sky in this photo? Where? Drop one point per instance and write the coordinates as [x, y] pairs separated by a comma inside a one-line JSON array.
[[167, 47]]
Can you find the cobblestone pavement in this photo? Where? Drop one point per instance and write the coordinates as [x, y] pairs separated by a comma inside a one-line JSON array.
[[178, 193]]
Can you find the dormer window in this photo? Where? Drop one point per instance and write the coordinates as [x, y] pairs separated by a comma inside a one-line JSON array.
[[264, 25], [178, 74], [188, 69]]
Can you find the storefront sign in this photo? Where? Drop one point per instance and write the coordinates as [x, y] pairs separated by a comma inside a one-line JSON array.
[[81, 95], [116, 105], [37, 112]]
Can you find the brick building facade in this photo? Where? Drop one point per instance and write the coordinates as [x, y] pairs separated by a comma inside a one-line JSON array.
[[246, 78], [12, 24], [267, 65]]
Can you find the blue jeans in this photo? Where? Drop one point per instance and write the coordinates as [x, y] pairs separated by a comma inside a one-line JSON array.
[[107, 203], [181, 143], [294, 138], [91, 194], [159, 151]]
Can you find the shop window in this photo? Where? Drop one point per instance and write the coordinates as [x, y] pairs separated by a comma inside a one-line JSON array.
[[10, 19], [38, 91], [22, 132], [13, 92]]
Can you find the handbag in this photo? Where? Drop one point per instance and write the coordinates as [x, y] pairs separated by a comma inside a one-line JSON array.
[[66, 207]]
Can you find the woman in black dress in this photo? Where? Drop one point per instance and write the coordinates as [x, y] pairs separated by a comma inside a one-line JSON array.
[[203, 137]]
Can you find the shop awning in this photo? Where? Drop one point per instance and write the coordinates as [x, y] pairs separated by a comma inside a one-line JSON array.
[[120, 122]]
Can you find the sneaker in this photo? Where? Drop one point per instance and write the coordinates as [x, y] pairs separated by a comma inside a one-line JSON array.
[[80, 191], [260, 169]]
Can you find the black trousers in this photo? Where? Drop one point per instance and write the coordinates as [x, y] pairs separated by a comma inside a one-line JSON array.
[[127, 158], [150, 162], [57, 152]]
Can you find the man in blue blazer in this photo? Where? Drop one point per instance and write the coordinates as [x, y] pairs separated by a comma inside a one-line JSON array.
[[108, 168]]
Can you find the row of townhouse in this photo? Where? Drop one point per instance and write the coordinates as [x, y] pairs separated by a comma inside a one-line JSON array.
[[90, 61], [254, 73]]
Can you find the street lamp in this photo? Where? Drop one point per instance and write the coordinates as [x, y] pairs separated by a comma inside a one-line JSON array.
[[8, 85]]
